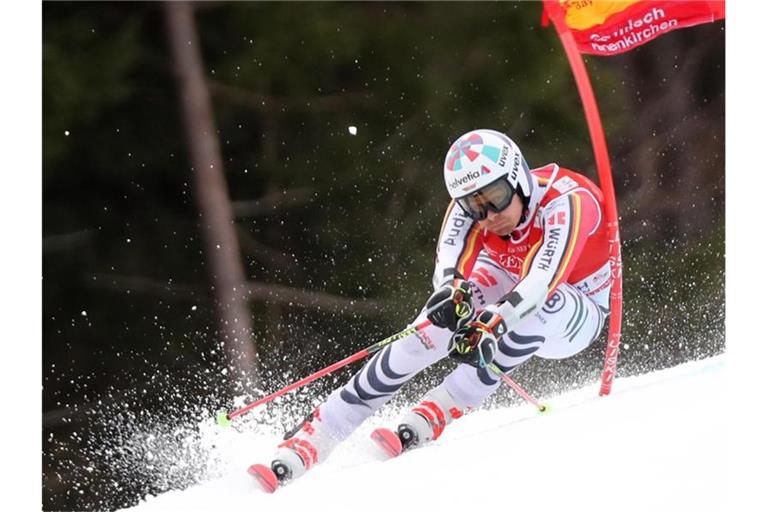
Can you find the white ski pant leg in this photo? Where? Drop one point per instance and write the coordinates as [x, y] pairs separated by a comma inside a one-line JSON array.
[[382, 376]]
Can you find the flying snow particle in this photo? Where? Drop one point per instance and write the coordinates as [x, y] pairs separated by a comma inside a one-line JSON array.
[[353, 130], [66, 133]]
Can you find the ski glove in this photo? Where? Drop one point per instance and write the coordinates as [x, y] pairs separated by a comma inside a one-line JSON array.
[[450, 307], [476, 343]]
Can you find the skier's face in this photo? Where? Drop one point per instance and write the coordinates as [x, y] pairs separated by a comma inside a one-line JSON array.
[[504, 222]]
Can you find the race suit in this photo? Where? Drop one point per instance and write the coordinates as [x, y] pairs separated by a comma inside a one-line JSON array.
[[553, 269]]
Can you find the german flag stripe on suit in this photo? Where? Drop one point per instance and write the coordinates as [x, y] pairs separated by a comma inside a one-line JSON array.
[[574, 202], [469, 253]]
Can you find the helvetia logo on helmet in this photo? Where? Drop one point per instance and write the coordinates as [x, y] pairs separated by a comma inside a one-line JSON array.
[[456, 183]]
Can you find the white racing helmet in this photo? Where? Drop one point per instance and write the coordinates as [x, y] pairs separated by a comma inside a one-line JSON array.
[[481, 158]]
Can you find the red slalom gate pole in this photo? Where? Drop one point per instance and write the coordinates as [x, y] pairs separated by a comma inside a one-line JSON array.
[[224, 419], [600, 148]]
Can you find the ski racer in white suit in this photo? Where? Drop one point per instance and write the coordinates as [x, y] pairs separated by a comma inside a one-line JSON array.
[[524, 253]]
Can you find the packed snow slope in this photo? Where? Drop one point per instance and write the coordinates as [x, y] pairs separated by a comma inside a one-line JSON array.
[[656, 443]]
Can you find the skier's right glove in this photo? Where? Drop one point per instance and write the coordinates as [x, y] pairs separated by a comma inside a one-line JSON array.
[[450, 307], [476, 344]]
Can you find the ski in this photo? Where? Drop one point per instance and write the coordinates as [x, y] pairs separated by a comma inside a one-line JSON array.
[[265, 476], [387, 441]]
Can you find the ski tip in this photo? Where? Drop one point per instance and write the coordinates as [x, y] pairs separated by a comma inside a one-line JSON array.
[[222, 419], [387, 441], [264, 475]]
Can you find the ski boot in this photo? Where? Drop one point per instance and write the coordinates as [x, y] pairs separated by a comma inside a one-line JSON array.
[[303, 447], [424, 423]]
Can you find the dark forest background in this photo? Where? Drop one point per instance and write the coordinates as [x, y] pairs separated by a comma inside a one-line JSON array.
[[191, 255]]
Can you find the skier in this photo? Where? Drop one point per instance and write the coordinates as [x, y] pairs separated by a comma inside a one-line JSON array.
[[521, 269]]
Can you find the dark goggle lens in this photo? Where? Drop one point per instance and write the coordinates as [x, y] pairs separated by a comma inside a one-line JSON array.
[[495, 196]]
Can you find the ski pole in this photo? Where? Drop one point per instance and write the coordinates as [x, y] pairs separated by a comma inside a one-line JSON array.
[[225, 419], [518, 389]]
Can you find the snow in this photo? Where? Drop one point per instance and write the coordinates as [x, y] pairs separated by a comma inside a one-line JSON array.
[[656, 443]]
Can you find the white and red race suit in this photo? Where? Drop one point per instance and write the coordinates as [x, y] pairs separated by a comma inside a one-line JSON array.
[[552, 272], [561, 239]]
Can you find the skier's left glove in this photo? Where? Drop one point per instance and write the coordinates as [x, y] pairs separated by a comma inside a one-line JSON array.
[[476, 344]]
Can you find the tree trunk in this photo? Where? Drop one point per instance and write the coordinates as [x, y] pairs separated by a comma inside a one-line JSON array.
[[222, 252]]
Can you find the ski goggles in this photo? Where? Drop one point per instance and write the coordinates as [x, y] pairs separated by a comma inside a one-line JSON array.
[[496, 196]]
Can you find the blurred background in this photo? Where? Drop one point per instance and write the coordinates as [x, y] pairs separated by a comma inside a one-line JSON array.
[[238, 194]]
